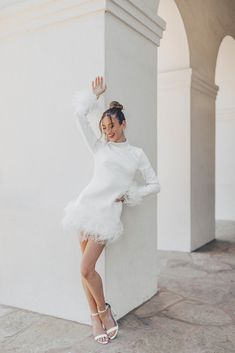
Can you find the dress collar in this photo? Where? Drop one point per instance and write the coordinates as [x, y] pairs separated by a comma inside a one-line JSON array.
[[123, 143]]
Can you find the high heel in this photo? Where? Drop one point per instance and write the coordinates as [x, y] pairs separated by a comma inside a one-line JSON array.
[[102, 335], [114, 328]]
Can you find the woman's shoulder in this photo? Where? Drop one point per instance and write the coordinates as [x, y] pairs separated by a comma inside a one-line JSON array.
[[138, 150]]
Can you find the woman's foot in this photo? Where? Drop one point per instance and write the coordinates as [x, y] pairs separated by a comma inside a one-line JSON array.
[[98, 331], [109, 323]]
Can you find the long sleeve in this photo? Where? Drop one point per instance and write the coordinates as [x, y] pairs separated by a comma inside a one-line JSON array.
[[135, 193], [83, 102]]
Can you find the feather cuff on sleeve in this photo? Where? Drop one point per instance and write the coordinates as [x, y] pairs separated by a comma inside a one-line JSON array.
[[83, 101], [132, 196]]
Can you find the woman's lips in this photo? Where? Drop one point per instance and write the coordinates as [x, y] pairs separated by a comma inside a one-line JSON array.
[[111, 135]]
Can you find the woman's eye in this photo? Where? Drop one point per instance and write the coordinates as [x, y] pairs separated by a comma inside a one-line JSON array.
[[104, 128]]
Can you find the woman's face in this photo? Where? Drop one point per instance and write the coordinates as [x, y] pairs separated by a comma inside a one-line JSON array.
[[112, 129]]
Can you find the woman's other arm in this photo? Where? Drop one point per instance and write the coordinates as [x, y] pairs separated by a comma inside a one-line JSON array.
[[134, 195]]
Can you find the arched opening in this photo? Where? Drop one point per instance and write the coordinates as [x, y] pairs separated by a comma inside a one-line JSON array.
[[173, 52], [225, 131], [174, 82]]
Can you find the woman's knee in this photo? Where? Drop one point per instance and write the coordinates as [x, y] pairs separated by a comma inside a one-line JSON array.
[[86, 270]]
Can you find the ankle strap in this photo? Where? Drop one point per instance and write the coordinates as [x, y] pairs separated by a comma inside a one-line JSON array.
[[94, 314], [102, 311]]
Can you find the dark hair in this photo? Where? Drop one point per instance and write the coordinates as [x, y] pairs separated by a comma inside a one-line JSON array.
[[115, 110]]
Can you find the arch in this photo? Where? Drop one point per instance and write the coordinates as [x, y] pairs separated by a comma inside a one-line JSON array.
[[225, 130], [225, 64], [174, 51]]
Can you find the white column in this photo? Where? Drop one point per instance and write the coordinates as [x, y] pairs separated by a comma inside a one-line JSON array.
[[225, 164], [48, 52], [225, 130], [186, 160], [174, 216], [131, 72], [203, 96]]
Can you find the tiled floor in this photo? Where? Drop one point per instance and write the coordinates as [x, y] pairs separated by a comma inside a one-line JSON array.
[[193, 312]]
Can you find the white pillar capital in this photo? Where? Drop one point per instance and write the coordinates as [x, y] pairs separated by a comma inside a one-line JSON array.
[[17, 18], [174, 78], [203, 84]]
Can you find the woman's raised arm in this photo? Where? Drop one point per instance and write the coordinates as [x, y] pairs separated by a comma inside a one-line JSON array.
[[83, 102]]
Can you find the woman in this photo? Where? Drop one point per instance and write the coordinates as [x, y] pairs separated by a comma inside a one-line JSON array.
[[95, 213]]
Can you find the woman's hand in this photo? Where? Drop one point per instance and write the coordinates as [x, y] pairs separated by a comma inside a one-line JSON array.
[[98, 87]]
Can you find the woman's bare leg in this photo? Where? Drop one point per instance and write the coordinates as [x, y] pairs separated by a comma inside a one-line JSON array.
[[94, 282], [90, 277], [90, 298], [96, 321]]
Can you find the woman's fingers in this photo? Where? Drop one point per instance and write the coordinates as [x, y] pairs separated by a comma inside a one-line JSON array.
[[98, 85], [99, 81]]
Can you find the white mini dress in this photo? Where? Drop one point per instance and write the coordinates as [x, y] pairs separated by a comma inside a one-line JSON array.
[[95, 213]]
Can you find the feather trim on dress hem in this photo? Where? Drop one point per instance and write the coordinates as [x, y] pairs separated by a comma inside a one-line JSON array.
[[89, 224], [85, 235]]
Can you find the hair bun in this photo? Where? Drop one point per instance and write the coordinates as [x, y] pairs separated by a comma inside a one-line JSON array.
[[115, 104]]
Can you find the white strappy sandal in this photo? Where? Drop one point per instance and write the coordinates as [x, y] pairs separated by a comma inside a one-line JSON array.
[[102, 335], [114, 328]]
